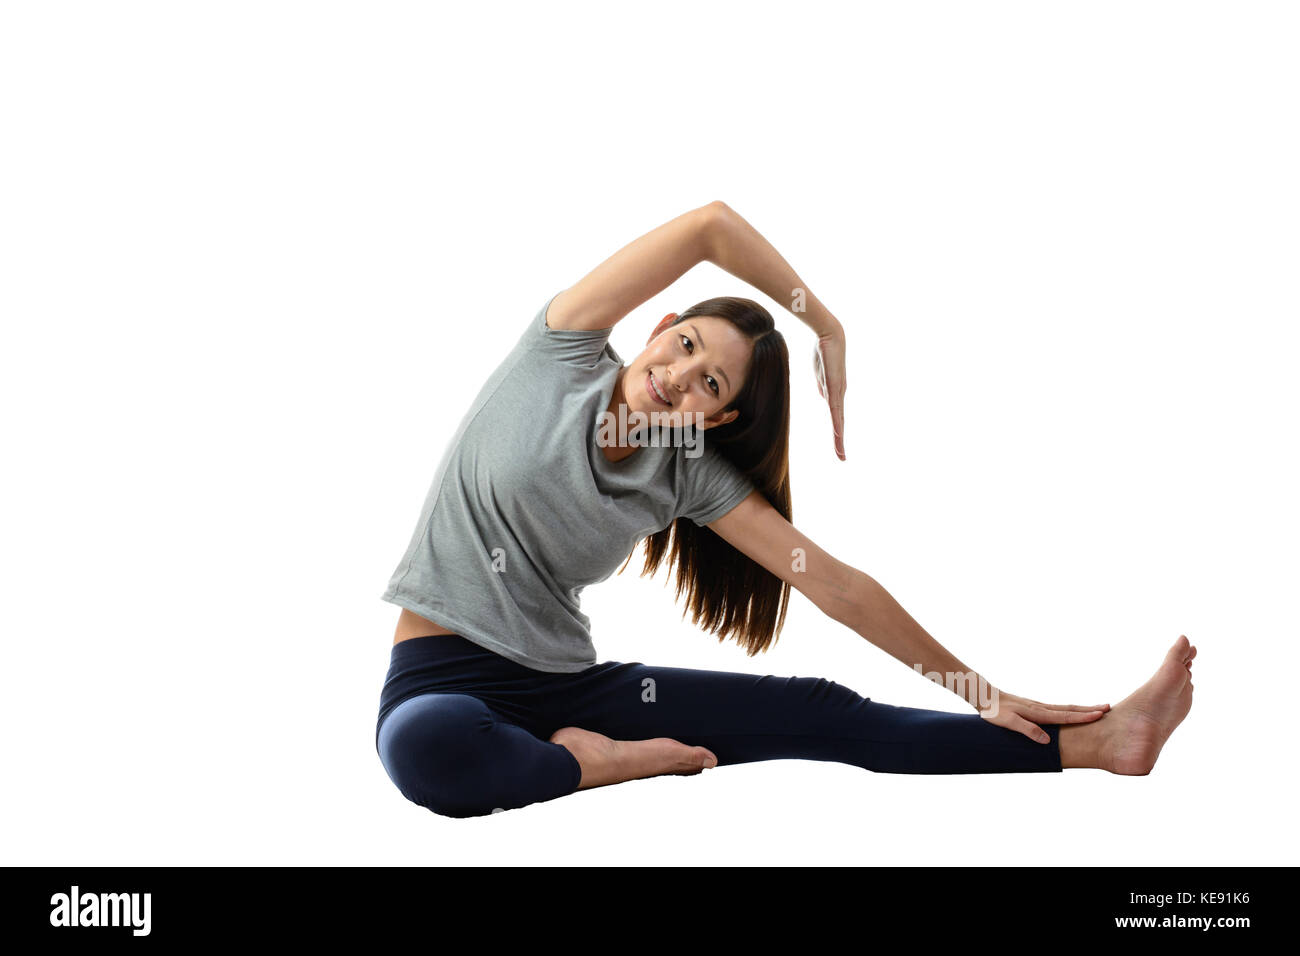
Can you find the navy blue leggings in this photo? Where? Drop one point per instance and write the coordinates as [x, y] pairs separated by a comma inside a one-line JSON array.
[[465, 732]]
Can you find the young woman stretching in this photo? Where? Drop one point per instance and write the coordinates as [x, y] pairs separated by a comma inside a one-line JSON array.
[[494, 698]]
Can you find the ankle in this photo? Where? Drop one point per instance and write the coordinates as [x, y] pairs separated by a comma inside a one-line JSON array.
[[1080, 746]]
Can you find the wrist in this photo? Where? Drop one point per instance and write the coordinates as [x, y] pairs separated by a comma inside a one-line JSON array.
[[830, 329], [809, 309], [968, 685], [823, 324], [980, 694]]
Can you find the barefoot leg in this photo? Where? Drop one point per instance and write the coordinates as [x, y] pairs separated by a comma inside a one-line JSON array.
[[1128, 740]]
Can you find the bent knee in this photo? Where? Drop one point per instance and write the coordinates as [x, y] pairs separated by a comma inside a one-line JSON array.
[[433, 748]]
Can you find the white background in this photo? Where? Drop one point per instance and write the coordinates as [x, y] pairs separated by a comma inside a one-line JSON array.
[[259, 257]]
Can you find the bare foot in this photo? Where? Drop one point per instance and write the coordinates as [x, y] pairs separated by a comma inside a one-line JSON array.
[[1128, 739], [605, 761]]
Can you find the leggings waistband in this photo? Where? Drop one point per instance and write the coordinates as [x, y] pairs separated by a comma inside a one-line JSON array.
[[444, 662], [432, 646]]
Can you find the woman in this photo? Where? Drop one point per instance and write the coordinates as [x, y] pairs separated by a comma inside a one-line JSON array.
[[567, 458]]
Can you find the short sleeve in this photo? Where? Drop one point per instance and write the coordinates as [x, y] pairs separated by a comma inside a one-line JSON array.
[[713, 486], [574, 346]]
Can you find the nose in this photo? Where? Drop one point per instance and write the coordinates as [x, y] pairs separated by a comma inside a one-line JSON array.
[[678, 376]]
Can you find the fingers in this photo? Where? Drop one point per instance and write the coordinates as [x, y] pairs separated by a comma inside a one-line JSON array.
[[1080, 707], [1074, 717], [1033, 732], [1048, 714], [1071, 706], [831, 386]]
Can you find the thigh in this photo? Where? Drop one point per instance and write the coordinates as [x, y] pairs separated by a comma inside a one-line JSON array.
[[638, 701], [748, 717], [453, 754]]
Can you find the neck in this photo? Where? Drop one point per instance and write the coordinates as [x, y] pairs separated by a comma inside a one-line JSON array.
[[616, 393], [619, 451]]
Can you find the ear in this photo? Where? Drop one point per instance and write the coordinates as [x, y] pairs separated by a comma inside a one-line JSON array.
[[664, 323], [722, 418]]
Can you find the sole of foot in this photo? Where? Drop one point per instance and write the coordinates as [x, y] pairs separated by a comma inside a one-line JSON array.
[[605, 761]]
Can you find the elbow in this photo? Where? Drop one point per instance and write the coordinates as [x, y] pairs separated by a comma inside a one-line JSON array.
[[715, 219], [719, 211]]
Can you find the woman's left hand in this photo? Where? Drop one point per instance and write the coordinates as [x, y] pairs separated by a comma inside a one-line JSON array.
[[828, 366], [1023, 714]]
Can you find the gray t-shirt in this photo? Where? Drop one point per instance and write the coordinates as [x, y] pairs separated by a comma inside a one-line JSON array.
[[525, 510]]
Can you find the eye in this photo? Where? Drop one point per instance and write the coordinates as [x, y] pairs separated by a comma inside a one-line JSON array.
[[713, 382]]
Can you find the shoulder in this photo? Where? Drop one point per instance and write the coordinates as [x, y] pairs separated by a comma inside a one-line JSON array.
[[561, 315], [712, 484], [547, 336], [554, 316]]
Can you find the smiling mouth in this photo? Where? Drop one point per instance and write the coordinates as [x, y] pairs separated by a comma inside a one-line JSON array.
[[654, 388]]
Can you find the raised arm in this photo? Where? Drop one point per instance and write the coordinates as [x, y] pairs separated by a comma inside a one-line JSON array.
[[637, 272], [715, 233], [738, 248]]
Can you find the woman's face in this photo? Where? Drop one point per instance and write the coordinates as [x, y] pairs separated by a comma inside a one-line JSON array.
[[698, 365]]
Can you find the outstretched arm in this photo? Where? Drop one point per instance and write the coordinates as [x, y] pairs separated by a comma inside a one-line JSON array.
[[856, 600], [840, 591]]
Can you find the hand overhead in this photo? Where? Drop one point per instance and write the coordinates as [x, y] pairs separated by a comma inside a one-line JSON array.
[[828, 367]]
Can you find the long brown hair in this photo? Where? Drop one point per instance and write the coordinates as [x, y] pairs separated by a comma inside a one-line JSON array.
[[727, 592]]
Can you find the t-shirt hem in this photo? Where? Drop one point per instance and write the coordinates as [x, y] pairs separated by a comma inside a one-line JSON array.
[[476, 636]]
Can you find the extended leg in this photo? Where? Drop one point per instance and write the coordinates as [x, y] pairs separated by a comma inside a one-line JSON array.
[[745, 717], [742, 718]]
